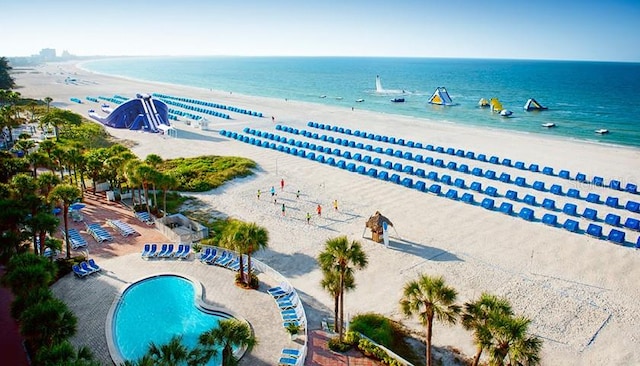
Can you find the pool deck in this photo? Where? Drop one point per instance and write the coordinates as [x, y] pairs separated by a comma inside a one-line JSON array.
[[91, 298]]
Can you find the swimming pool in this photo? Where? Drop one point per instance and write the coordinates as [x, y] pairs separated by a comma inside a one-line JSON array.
[[154, 310]]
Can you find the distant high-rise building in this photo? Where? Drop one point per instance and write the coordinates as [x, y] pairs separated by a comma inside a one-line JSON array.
[[48, 54]]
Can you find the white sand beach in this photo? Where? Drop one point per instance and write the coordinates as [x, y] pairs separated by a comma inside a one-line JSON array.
[[582, 293]]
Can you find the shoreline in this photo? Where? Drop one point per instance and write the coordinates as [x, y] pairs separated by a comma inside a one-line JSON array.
[[584, 307]]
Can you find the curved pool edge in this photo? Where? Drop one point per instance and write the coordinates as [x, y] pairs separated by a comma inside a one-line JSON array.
[[114, 352]]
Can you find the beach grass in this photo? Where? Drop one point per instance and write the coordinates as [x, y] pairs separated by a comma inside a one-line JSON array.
[[203, 173]]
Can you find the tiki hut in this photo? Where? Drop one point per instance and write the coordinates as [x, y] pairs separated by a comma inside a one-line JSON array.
[[375, 223]]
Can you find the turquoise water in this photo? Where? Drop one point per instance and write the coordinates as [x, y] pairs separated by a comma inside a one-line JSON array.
[[581, 96], [156, 309]]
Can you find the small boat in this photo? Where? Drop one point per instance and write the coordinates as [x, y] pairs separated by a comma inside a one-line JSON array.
[[397, 100], [483, 103], [602, 131], [323, 96], [548, 125], [338, 98], [505, 113], [359, 100]]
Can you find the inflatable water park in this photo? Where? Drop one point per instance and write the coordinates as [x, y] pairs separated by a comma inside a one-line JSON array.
[[140, 113]]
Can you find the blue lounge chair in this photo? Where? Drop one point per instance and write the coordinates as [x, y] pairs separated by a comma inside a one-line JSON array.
[[459, 182], [529, 199], [549, 204], [573, 193], [92, 264], [506, 208], [615, 185], [570, 209], [491, 191], [590, 213], [612, 219], [593, 198], [564, 174], [631, 223], [550, 219], [632, 206], [512, 195], [631, 188], [85, 267], [547, 170], [571, 225], [452, 194], [521, 182], [594, 230], [287, 361], [163, 250], [616, 236], [494, 160], [186, 250], [556, 189], [598, 181], [488, 204], [612, 202], [146, 250], [476, 186], [581, 177], [505, 178], [435, 189], [290, 352], [519, 165], [79, 271], [490, 174], [526, 214], [467, 198]]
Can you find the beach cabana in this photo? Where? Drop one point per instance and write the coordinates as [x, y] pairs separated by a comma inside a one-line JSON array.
[[376, 224]]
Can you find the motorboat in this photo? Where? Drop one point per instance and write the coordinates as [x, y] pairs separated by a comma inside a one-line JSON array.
[[359, 100], [602, 131], [397, 100], [338, 98], [323, 96], [549, 125], [505, 113]]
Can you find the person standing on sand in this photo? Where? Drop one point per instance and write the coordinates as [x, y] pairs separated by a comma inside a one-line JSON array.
[[259, 194], [308, 218], [283, 208], [273, 191], [282, 184], [298, 194], [335, 205], [319, 209], [273, 119]]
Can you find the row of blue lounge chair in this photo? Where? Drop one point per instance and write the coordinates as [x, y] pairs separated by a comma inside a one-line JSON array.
[[434, 188], [85, 268], [476, 186], [290, 357], [166, 251], [223, 258], [289, 303], [580, 177], [145, 217], [504, 177], [75, 239], [210, 104], [123, 228], [98, 232]]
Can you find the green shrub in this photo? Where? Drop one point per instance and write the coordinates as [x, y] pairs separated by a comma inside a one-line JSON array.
[[352, 338], [337, 346], [374, 326]]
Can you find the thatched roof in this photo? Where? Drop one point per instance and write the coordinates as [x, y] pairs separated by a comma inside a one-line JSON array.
[[375, 221]]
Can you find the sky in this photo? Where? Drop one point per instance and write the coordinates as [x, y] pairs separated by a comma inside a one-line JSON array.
[[606, 30]]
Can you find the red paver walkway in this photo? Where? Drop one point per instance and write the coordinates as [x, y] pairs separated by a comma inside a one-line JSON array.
[[11, 348], [319, 353]]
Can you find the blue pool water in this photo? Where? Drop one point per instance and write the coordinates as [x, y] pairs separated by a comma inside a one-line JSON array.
[[156, 309]]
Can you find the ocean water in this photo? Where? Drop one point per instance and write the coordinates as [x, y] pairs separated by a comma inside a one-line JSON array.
[[581, 96]]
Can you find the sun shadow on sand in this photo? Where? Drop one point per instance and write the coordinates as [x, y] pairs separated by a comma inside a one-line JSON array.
[[291, 265], [421, 250]]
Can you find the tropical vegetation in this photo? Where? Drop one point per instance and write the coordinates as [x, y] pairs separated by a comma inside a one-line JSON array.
[[341, 257]]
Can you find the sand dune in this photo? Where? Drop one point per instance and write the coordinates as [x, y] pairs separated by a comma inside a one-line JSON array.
[[582, 293]]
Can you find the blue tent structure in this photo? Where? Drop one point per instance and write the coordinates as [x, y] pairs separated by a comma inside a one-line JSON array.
[[142, 113]]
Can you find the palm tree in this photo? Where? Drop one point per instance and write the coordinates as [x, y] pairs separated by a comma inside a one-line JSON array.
[[331, 283], [145, 174], [47, 322], [173, 353], [229, 333], [165, 183], [251, 238], [341, 256], [64, 354], [428, 298], [66, 194], [48, 100], [509, 343], [154, 161], [39, 225], [476, 316]]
